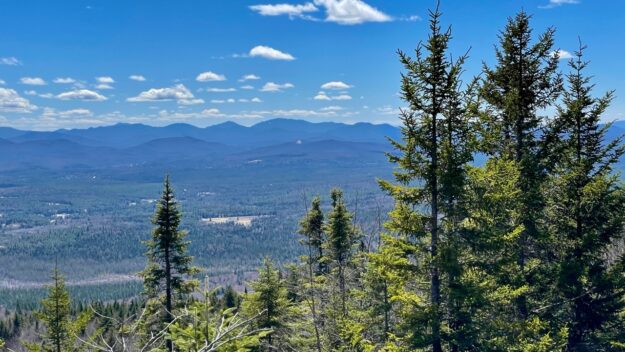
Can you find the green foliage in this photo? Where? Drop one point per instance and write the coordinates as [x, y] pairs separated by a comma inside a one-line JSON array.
[[167, 276]]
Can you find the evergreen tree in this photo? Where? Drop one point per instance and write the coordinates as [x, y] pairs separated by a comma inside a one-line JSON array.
[[586, 214], [55, 313], [341, 239], [525, 80], [312, 228], [167, 275], [270, 299], [433, 154]]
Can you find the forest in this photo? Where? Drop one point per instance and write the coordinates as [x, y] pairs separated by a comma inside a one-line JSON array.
[[507, 233]]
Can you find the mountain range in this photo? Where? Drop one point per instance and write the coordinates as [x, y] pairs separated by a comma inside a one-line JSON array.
[[138, 144]]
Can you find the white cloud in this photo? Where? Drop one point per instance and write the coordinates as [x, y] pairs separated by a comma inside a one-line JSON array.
[[324, 96], [194, 101], [556, 3], [64, 80], [105, 79], [138, 78], [331, 108], [11, 61], [285, 9], [336, 85], [220, 90], [30, 92], [562, 54], [81, 94], [270, 53], [104, 86], [247, 87], [50, 112], [33, 81], [350, 12], [253, 100], [11, 101], [2, 82], [250, 77], [209, 77], [178, 93], [276, 87]]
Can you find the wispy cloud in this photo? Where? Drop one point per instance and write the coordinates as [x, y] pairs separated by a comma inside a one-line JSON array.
[[220, 90], [276, 87], [270, 53], [290, 10], [64, 80], [10, 61], [557, 3]]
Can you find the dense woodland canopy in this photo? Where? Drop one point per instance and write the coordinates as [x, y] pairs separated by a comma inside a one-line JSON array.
[[523, 252]]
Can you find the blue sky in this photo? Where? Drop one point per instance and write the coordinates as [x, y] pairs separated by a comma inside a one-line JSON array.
[[81, 63]]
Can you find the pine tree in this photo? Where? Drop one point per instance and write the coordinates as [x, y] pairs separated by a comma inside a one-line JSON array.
[[169, 266], [586, 213], [55, 313], [524, 81]]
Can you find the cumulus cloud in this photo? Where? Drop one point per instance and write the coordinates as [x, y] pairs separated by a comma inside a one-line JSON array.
[[178, 93], [557, 3], [11, 101], [138, 78], [276, 87], [562, 54], [105, 79], [247, 87], [10, 61], [81, 94], [345, 12], [324, 96], [336, 85], [33, 81], [209, 77], [64, 80], [350, 12], [251, 77], [2, 82], [270, 53], [298, 10]]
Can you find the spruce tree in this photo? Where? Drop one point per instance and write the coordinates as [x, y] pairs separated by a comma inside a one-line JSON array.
[[312, 229], [167, 276], [430, 174], [269, 296], [341, 239], [586, 214], [55, 314], [524, 81]]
